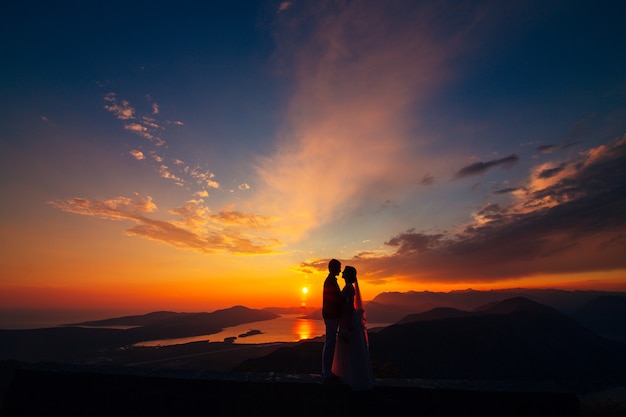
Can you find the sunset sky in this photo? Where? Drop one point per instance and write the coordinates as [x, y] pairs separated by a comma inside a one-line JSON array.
[[198, 155]]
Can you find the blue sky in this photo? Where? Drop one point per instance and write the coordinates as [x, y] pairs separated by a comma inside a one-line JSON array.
[[431, 145]]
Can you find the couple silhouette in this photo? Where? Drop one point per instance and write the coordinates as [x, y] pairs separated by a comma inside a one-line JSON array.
[[345, 356]]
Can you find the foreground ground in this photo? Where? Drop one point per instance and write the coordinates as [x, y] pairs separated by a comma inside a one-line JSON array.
[[70, 390]]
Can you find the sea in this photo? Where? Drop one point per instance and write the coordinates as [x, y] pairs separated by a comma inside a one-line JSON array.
[[286, 328]]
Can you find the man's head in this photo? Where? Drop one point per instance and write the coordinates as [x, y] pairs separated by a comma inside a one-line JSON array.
[[334, 267]]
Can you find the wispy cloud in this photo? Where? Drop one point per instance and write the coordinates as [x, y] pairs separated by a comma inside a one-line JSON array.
[[360, 68], [120, 108], [117, 208], [479, 168], [165, 173], [573, 220], [545, 149], [149, 127], [195, 229]]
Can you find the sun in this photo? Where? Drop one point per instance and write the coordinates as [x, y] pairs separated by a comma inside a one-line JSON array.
[[305, 290]]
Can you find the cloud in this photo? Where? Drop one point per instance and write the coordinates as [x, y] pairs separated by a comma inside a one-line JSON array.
[[137, 154], [386, 205], [507, 190], [253, 221], [551, 172], [479, 168], [360, 70], [205, 178], [122, 110], [139, 129], [165, 173], [572, 221], [195, 229], [118, 208], [547, 149], [284, 6], [146, 126], [427, 180], [150, 122]]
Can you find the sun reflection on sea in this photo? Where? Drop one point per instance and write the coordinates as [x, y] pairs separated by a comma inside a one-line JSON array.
[[304, 328]]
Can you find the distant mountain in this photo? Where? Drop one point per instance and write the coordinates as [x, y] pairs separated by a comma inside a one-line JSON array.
[[516, 339], [468, 300], [382, 313], [376, 312], [390, 307], [139, 320], [166, 324], [605, 315]]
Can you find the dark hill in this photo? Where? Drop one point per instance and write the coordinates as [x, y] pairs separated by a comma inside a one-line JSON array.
[[517, 339], [194, 324], [517, 305], [439, 313], [514, 339], [605, 315]]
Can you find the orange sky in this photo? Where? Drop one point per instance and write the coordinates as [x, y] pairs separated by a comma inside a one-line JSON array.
[[224, 157]]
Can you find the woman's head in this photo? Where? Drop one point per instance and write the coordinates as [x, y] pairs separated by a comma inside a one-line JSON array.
[[349, 274]]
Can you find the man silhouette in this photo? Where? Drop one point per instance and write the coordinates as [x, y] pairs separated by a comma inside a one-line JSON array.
[[331, 312]]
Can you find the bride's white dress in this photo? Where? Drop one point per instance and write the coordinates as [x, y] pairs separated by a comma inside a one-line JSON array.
[[352, 360]]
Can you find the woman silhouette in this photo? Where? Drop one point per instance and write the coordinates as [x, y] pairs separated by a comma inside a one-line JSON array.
[[352, 360]]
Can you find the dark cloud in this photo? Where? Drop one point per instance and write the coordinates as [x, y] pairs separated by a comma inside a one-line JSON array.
[[386, 205], [552, 148], [507, 190], [411, 242], [547, 148], [575, 222], [548, 173], [480, 168], [427, 180]]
